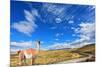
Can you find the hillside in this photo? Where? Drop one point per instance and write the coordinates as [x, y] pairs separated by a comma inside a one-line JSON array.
[[55, 56], [87, 49]]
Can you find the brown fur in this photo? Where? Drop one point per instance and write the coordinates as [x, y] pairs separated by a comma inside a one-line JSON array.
[[23, 58], [23, 54]]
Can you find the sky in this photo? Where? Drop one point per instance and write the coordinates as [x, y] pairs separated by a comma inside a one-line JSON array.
[[54, 25]]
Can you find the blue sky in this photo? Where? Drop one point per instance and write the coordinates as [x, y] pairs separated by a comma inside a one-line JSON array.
[[55, 25]]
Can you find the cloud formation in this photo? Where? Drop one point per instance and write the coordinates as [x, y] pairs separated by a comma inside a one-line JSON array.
[[15, 46], [86, 34], [22, 44], [58, 20], [27, 26], [70, 21], [59, 46], [86, 31]]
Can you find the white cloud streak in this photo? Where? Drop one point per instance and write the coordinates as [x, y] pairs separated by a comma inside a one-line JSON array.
[[27, 26], [55, 9], [22, 44], [59, 12], [59, 46], [70, 21], [86, 34], [15, 46], [86, 31], [58, 20], [59, 34]]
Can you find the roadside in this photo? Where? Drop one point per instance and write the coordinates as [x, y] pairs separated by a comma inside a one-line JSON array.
[[83, 59]]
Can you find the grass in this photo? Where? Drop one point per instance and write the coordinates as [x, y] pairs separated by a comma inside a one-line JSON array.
[[48, 57], [54, 56]]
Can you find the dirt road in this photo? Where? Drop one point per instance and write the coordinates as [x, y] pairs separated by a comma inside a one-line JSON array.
[[77, 60]]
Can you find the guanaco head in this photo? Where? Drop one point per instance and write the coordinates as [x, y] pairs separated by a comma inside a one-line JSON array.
[[37, 44], [18, 51]]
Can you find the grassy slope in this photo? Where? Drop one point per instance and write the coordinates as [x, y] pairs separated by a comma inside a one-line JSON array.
[[54, 56], [87, 49]]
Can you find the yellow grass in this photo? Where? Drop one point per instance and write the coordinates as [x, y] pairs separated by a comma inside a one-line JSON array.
[[48, 57], [55, 56]]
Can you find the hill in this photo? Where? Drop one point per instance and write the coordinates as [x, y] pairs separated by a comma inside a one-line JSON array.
[[55, 56], [87, 49]]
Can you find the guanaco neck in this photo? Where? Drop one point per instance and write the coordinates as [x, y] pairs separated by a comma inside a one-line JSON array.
[[37, 47]]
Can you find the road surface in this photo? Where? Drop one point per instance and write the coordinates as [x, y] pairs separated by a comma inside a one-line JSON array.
[[77, 60]]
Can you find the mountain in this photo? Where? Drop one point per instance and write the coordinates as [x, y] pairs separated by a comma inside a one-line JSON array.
[[68, 46]]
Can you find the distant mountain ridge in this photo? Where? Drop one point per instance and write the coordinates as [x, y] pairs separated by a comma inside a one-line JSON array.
[[60, 47]]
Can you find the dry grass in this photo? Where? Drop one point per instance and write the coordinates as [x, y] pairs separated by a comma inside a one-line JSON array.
[[55, 56], [48, 57]]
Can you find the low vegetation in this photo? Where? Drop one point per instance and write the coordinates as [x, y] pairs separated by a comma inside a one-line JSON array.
[[54, 56]]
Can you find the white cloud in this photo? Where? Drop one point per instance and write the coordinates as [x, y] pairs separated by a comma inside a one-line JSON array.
[[59, 46], [59, 34], [70, 21], [73, 28], [55, 9], [58, 20], [91, 8], [15, 46], [75, 44], [86, 32], [24, 27], [87, 27], [76, 30], [35, 13], [53, 28], [60, 13], [28, 15], [22, 44], [27, 26], [80, 43]]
